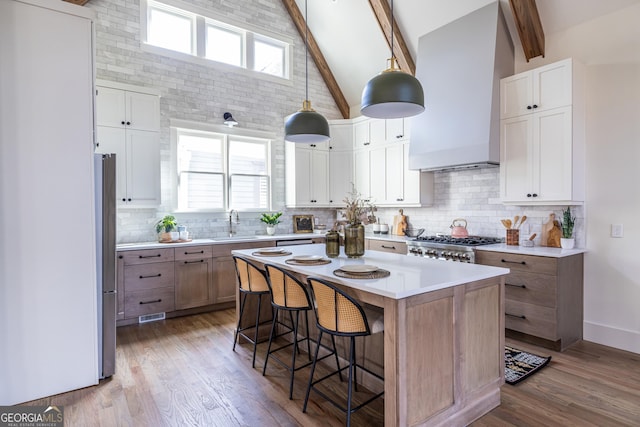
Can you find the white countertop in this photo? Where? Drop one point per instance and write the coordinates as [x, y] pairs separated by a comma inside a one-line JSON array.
[[535, 250], [216, 241], [409, 275]]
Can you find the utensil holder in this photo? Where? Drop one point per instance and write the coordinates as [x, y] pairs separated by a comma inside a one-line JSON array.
[[513, 237]]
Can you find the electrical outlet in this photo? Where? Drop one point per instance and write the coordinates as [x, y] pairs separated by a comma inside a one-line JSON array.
[[616, 230]]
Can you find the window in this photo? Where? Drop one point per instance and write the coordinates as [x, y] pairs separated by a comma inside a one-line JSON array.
[[218, 172], [201, 36]]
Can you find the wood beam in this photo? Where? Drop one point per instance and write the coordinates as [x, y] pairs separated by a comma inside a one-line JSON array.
[[382, 11], [318, 58], [525, 14], [78, 2]]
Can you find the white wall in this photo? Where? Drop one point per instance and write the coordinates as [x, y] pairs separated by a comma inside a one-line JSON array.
[[610, 47]]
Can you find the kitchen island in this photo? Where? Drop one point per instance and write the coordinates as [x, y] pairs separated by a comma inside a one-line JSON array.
[[443, 345]]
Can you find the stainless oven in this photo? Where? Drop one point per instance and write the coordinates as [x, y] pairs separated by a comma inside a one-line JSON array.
[[449, 248]]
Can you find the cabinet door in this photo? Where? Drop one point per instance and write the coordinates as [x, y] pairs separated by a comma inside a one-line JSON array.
[[224, 279], [341, 137], [553, 170], [110, 107], [320, 178], [193, 283], [552, 86], [303, 169], [516, 94], [516, 145], [394, 168], [340, 176], [377, 131], [377, 175], [143, 167], [142, 111], [361, 134], [112, 140], [395, 130], [361, 172], [412, 181]]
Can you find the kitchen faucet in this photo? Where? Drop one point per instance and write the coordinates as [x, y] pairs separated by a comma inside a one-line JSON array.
[[231, 221]]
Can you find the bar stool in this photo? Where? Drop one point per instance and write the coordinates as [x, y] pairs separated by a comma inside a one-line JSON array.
[[252, 281], [288, 294], [338, 314]]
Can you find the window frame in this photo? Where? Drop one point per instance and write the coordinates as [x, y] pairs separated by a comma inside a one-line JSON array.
[[203, 18], [228, 136]]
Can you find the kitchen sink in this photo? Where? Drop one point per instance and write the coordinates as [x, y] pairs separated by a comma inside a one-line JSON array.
[[240, 238]]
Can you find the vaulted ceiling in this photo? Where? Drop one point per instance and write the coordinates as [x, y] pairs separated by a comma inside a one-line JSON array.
[[349, 39]]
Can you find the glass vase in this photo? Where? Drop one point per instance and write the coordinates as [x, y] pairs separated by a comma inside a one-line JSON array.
[[354, 240]]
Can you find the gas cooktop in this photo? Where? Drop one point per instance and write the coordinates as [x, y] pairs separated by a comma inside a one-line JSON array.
[[461, 241]]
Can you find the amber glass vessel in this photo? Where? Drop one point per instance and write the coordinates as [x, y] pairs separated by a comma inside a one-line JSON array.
[[354, 240]]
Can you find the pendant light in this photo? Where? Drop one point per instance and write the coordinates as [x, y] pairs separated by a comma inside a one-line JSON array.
[[306, 125], [392, 94]]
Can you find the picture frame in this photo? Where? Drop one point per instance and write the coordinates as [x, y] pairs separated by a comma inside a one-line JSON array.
[[303, 223]]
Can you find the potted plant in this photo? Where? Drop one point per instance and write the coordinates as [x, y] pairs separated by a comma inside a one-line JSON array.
[[568, 221], [271, 220], [165, 226]]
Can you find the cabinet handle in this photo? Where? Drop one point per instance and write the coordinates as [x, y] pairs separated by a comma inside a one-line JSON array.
[[122, 122], [151, 302], [153, 275], [128, 123], [399, 136], [193, 262], [535, 106], [519, 316], [149, 256], [516, 286], [313, 145], [399, 200], [514, 262], [366, 143], [535, 195], [129, 199], [529, 107], [389, 247], [196, 252], [124, 200]]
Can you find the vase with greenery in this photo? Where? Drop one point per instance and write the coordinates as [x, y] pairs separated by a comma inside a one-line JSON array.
[[165, 226], [271, 219], [568, 222], [357, 212]]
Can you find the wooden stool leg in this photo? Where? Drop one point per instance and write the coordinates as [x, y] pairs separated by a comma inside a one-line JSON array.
[[242, 304]]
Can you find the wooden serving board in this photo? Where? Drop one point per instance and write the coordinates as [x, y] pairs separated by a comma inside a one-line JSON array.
[[399, 223], [551, 232]]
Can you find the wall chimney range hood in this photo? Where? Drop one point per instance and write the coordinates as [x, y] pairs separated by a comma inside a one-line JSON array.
[[460, 66]]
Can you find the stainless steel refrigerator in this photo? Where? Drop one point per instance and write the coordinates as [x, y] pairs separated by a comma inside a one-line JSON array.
[[105, 182]]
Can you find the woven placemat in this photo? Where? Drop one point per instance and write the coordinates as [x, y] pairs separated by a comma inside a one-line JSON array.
[[258, 253], [378, 274], [318, 262]]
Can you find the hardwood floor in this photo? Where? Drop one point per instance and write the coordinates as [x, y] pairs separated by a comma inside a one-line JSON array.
[[182, 371]]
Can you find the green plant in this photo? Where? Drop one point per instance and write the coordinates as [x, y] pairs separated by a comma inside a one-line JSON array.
[[568, 222], [166, 224], [271, 219]]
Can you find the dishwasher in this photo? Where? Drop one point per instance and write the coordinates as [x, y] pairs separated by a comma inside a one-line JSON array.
[[293, 242]]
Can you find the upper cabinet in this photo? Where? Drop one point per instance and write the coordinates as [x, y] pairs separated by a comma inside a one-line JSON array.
[[128, 124], [542, 136]]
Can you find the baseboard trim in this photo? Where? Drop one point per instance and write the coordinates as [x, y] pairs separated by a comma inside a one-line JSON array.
[[622, 339]]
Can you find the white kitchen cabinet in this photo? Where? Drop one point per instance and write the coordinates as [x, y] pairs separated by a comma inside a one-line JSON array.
[[307, 175], [361, 172], [540, 89], [341, 179], [542, 150], [377, 175], [368, 132], [129, 126], [405, 187], [397, 129], [341, 135]]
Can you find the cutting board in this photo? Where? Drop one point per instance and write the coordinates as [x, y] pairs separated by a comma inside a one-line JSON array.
[[399, 223], [551, 232]]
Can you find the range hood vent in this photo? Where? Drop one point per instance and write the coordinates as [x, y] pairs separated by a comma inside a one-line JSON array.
[[460, 66]]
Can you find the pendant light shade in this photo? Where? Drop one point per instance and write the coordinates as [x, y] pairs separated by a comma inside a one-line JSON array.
[[306, 125], [392, 94]]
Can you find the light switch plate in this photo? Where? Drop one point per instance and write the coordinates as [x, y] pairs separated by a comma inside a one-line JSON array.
[[617, 230]]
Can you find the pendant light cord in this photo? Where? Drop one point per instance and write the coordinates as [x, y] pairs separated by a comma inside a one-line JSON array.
[[391, 28], [306, 53]]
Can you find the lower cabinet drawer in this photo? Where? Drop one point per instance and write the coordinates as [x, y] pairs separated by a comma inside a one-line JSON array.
[[148, 276], [531, 319], [151, 301], [387, 246], [531, 288]]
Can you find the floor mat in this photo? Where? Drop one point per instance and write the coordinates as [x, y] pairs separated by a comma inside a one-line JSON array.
[[521, 364]]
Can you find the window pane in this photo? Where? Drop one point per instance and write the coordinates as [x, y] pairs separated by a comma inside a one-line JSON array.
[[201, 191], [249, 192], [224, 46], [247, 157], [200, 153], [169, 30], [268, 58]]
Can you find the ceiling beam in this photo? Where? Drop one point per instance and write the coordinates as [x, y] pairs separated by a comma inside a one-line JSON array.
[[382, 11], [318, 58], [78, 2], [525, 14]]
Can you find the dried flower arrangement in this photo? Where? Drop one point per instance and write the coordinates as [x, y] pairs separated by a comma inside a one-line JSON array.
[[358, 210]]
